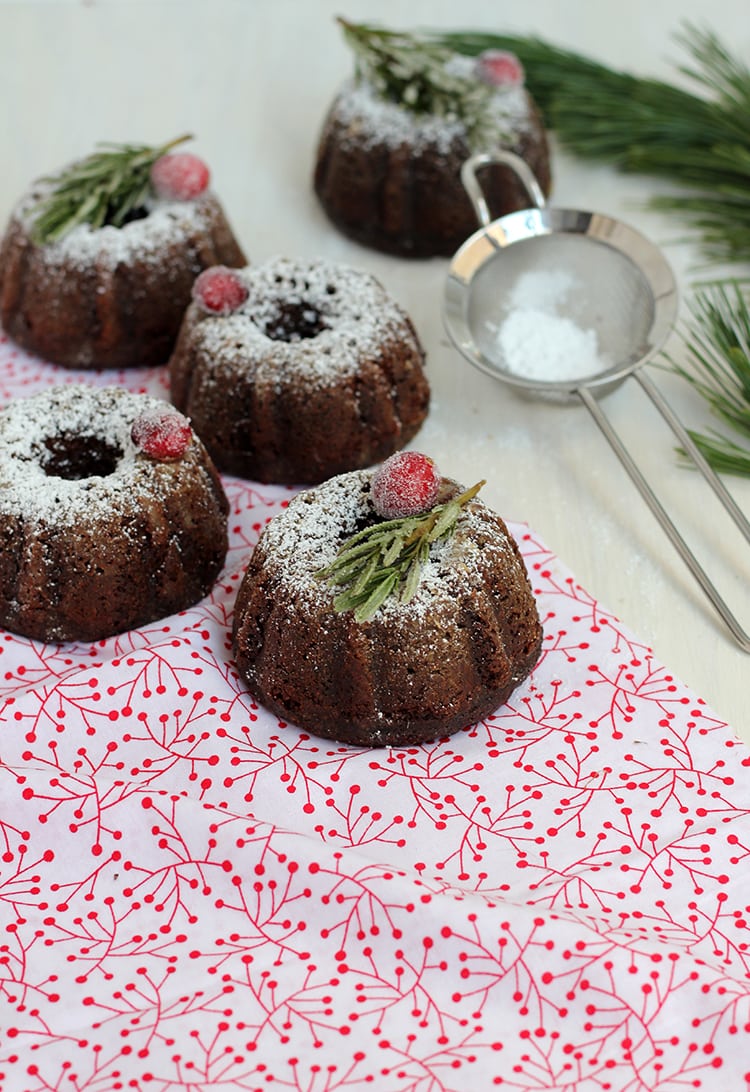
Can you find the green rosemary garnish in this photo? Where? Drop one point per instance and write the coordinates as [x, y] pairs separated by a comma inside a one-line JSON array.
[[387, 558], [417, 74], [104, 188], [717, 343]]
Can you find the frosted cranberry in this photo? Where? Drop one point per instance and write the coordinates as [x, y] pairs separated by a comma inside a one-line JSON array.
[[162, 434], [180, 176], [219, 290], [406, 484], [500, 68]]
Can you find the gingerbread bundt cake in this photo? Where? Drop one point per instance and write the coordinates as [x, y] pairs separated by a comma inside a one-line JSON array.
[[296, 370], [387, 171], [407, 671], [111, 514], [87, 281]]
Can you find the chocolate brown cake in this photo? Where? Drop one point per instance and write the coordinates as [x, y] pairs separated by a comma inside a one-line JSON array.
[[413, 671], [312, 369], [111, 514], [387, 170], [109, 296]]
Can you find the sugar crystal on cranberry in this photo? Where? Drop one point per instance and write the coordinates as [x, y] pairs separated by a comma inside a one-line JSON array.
[[219, 290], [164, 435], [406, 484], [500, 68], [180, 176]]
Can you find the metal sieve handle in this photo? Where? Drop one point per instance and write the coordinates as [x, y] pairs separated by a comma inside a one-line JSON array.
[[739, 634], [474, 163]]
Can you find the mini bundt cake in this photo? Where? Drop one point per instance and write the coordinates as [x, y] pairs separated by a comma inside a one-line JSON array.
[[111, 514], [296, 370], [386, 662], [87, 281], [387, 171]]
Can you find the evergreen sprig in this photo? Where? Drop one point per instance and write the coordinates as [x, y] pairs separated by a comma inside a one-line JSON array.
[[386, 558], [104, 188], [701, 141], [417, 74], [717, 343]]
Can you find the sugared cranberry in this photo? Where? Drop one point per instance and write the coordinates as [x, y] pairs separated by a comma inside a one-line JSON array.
[[500, 68], [180, 176], [162, 434], [406, 484], [219, 290]]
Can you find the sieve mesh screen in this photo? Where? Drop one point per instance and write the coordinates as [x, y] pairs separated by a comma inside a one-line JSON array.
[[561, 285]]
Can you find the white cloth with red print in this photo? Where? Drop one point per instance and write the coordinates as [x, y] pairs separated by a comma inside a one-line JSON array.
[[195, 895]]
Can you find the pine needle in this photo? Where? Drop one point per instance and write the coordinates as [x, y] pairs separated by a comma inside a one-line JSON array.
[[717, 343], [699, 141]]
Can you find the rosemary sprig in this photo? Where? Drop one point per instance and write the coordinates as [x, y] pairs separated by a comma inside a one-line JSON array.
[[717, 343], [387, 558], [104, 188], [418, 74]]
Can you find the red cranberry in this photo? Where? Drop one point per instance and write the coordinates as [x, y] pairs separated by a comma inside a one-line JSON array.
[[406, 484], [162, 434], [500, 68], [180, 176], [219, 290]]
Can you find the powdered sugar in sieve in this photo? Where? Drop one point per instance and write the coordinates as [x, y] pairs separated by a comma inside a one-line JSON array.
[[537, 338]]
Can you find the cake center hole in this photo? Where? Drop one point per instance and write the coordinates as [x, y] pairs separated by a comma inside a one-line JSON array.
[[139, 213], [294, 322], [78, 457]]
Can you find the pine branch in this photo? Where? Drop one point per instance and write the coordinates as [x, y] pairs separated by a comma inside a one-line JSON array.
[[723, 454], [699, 141], [104, 188], [575, 92], [717, 342], [724, 76]]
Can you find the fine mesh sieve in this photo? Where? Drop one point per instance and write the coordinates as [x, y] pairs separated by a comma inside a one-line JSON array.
[[588, 291]]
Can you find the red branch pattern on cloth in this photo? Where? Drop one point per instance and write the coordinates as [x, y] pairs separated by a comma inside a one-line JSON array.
[[195, 895]]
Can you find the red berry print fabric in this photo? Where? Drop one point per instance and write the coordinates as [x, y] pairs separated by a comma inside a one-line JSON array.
[[194, 895]]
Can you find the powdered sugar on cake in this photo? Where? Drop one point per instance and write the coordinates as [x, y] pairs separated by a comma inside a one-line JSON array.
[[104, 415], [377, 120], [167, 223], [307, 536], [340, 314]]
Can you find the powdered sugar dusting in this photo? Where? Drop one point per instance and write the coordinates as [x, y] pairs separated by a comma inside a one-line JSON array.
[[538, 339], [306, 537], [168, 222], [311, 320], [535, 344], [375, 120], [102, 417]]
